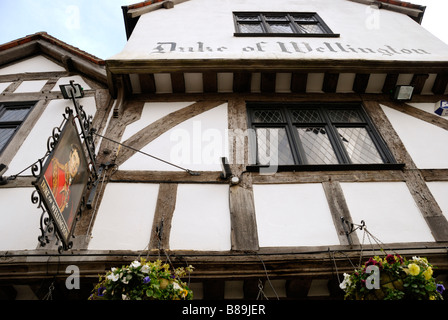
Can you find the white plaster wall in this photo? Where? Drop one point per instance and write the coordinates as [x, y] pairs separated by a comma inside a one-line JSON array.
[[30, 86], [66, 80], [439, 190], [20, 218], [196, 144], [201, 220], [125, 216], [4, 85], [427, 107], [152, 111], [388, 34], [293, 215], [426, 143], [388, 210], [35, 64], [35, 146]]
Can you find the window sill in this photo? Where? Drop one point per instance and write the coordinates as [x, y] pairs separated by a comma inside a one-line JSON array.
[[296, 35], [324, 167]]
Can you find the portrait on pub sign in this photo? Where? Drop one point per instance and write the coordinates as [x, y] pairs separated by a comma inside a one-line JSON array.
[[64, 179]]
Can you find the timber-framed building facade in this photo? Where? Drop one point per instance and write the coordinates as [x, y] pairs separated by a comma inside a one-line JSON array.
[[298, 105]]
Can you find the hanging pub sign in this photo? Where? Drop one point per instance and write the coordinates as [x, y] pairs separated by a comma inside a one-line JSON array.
[[63, 181]]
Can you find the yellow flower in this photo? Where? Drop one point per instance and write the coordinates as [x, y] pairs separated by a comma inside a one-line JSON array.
[[428, 273], [431, 297], [414, 269]]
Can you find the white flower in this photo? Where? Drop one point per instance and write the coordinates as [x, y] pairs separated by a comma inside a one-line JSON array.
[[346, 282], [145, 269], [126, 279], [176, 286], [114, 277], [135, 264], [124, 297]]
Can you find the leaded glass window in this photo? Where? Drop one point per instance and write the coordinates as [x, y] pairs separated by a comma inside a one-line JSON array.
[[11, 117], [315, 134], [274, 24]]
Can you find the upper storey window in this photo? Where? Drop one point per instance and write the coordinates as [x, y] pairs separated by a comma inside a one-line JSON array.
[[12, 116], [280, 24]]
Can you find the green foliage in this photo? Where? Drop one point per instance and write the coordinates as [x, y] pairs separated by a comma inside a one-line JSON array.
[[143, 280], [400, 279]]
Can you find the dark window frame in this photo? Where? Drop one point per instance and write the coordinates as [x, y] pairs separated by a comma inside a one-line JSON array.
[[298, 153], [292, 20], [13, 124]]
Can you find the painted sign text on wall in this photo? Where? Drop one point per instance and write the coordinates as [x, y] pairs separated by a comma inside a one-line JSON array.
[[290, 47]]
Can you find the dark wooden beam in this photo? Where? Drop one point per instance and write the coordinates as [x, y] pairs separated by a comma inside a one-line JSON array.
[[418, 81], [330, 82], [147, 83], [161, 227], [440, 83], [298, 288], [390, 82], [210, 82], [178, 82], [298, 82], [244, 234], [155, 129], [242, 82], [268, 80], [339, 209], [213, 289], [419, 114], [360, 83]]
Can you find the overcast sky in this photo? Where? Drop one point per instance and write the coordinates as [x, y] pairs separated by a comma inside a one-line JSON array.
[[97, 26]]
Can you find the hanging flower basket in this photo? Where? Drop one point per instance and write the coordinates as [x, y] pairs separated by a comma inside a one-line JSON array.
[[392, 278], [143, 280]]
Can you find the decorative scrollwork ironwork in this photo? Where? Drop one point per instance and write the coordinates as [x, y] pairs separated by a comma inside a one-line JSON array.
[[36, 168], [46, 222], [68, 113], [53, 139]]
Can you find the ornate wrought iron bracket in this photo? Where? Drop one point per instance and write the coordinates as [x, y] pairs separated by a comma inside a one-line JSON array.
[[48, 226], [350, 227], [87, 131]]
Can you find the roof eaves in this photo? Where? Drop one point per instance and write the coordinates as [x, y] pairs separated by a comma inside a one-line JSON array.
[[46, 37], [41, 43], [414, 11], [132, 13]]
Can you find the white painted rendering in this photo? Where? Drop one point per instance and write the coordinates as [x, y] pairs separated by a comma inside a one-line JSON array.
[[20, 225], [314, 83], [293, 215], [66, 80], [4, 85], [376, 81], [30, 86], [345, 82], [426, 143], [35, 64], [388, 210], [201, 219], [35, 146], [125, 216], [196, 144], [427, 107], [152, 111], [439, 190], [360, 26]]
